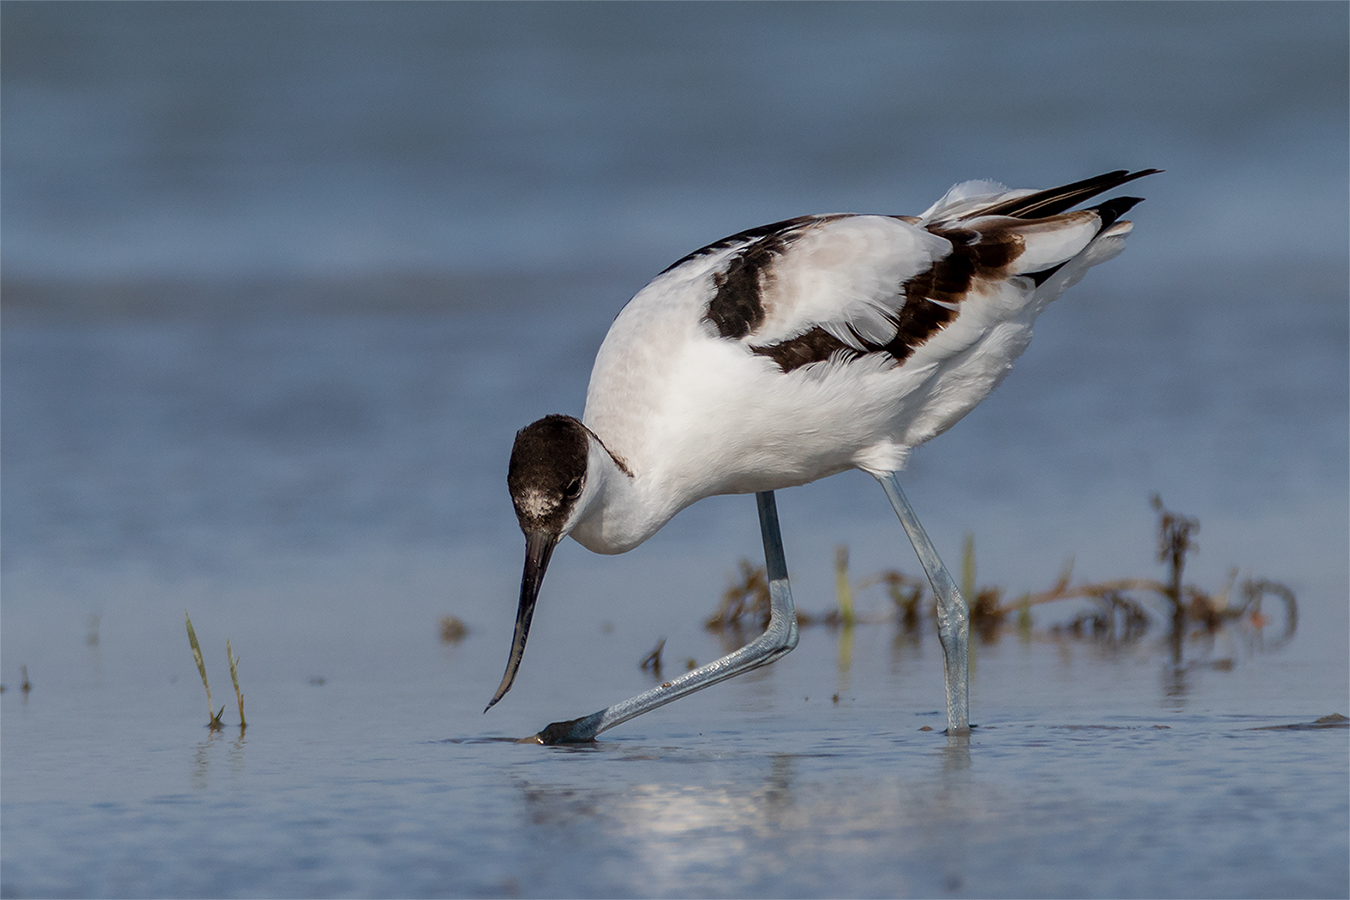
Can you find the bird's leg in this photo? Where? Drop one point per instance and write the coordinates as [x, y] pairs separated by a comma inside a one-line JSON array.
[[952, 615], [777, 640]]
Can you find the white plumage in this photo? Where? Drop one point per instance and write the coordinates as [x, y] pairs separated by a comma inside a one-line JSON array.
[[797, 350], [693, 414]]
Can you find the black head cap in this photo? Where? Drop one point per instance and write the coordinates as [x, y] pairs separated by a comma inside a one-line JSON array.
[[547, 472]]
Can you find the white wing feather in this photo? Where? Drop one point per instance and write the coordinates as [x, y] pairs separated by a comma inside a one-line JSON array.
[[845, 275]]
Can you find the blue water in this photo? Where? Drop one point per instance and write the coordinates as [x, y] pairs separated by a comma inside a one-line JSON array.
[[280, 281]]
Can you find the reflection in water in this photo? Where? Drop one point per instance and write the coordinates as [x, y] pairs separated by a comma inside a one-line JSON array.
[[202, 761], [202, 755], [845, 655], [955, 808], [763, 815], [904, 645], [1174, 678], [235, 755], [95, 652], [956, 755]]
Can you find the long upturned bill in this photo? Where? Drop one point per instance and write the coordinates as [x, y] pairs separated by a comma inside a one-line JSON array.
[[538, 549]]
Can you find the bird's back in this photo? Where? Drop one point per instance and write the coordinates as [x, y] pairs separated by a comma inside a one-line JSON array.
[[803, 348]]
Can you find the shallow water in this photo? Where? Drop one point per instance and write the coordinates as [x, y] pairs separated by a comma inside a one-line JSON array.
[[1095, 776], [280, 283]]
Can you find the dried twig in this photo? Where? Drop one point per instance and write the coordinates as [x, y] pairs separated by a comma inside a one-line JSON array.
[[652, 661]]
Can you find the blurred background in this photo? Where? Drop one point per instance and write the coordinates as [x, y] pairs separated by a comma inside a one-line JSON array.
[[280, 282]]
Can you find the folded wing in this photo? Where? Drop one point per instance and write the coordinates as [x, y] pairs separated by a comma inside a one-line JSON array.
[[835, 288]]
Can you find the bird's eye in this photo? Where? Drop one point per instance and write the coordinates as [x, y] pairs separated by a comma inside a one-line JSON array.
[[573, 489]]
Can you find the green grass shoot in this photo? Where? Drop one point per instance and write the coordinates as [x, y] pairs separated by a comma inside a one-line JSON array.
[[214, 724], [1024, 616], [234, 676], [842, 587], [968, 568]]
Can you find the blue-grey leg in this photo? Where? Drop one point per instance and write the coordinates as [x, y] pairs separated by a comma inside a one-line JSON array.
[[779, 638], [952, 615]]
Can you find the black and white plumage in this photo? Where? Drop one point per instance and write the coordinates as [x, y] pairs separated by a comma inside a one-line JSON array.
[[797, 350]]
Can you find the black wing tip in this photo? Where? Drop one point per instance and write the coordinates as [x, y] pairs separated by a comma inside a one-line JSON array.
[[1107, 181], [1053, 201], [1111, 210], [1126, 176]]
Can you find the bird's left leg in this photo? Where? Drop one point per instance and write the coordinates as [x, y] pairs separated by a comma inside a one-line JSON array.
[[952, 615], [779, 638]]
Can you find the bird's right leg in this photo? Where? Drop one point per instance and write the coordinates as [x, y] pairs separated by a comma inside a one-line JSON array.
[[779, 638], [952, 615]]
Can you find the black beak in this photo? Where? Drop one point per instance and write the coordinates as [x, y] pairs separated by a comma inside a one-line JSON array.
[[539, 546]]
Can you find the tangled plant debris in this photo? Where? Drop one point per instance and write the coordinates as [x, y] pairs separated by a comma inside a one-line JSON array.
[[1120, 612], [652, 661], [745, 602]]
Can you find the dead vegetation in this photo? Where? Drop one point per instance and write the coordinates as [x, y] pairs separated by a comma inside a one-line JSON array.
[[1120, 610]]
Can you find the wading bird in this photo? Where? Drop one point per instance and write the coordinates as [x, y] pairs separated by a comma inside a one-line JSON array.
[[787, 353]]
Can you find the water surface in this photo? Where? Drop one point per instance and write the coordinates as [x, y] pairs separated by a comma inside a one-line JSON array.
[[281, 281]]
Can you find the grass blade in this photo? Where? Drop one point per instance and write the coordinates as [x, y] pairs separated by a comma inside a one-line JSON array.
[[842, 588], [234, 676], [968, 568], [201, 668]]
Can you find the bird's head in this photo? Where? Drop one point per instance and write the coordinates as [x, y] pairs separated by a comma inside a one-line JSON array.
[[547, 480]]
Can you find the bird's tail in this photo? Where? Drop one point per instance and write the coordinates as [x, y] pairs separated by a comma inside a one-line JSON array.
[[985, 198]]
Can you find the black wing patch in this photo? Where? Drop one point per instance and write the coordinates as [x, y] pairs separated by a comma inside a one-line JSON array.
[[740, 237], [931, 298], [737, 307]]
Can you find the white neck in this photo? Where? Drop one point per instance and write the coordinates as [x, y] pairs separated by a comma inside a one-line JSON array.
[[615, 513]]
